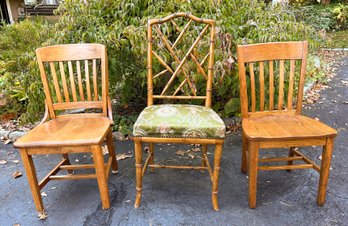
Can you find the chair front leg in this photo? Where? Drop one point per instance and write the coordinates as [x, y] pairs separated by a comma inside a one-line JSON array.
[[291, 154], [204, 152], [101, 175], [112, 153], [217, 160], [138, 168], [32, 180], [253, 164], [244, 165], [325, 170]]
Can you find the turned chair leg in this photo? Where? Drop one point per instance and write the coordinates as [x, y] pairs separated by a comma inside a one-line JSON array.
[[325, 171], [67, 162], [138, 167], [101, 176], [253, 164], [32, 180], [217, 159], [112, 153], [291, 154], [244, 165], [152, 153]]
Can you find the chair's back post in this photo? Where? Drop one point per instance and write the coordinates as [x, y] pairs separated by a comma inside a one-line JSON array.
[[47, 92], [242, 81], [210, 66], [105, 79], [149, 64], [302, 78]]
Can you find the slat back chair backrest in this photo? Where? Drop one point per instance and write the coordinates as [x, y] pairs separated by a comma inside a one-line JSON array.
[[272, 63], [71, 76], [179, 61]]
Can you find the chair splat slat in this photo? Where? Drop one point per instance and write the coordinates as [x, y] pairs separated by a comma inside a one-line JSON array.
[[88, 84], [72, 81], [95, 84], [55, 82], [65, 86], [78, 68], [271, 86], [252, 87], [262, 86], [291, 84], [281, 85]]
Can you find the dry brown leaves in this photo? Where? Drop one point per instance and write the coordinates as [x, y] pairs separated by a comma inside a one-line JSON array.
[[123, 156], [17, 174]]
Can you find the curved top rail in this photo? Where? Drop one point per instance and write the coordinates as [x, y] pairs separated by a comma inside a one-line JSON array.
[[180, 14]]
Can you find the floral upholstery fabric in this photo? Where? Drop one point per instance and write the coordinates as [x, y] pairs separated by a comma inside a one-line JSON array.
[[179, 120]]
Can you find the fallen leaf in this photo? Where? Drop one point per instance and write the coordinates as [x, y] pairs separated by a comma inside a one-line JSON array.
[[196, 149], [16, 161], [43, 194], [42, 215], [3, 162], [105, 150], [128, 200], [191, 156], [17, 174], [123, 156], [146, 149], [320, 157], [316, 118], [76, 160], [7, 141], [285, 204], [180, 152], [345, 102], [16, 225], [52, 188]]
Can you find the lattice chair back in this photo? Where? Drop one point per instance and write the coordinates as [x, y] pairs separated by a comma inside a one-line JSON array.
[[180, 58]]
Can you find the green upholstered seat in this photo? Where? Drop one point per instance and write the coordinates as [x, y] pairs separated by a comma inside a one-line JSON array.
[[179, 120]]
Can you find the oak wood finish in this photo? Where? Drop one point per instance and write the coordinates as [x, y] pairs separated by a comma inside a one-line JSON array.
[[283, 127], [181, 69], [71, 133]]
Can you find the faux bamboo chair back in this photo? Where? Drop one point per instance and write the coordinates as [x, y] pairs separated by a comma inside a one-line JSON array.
[[187, 62], [271, 63], [76, 71]]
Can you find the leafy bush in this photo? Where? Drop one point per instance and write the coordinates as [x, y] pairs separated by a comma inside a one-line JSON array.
[[121, 25], [323, 17], [19, 75]]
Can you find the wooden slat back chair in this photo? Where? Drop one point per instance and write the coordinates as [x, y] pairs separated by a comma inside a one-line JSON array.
[[71, 75], [278, 123], [179, 62]]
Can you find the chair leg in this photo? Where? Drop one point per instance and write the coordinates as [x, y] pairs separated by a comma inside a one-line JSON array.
[[325, 170], [112, 153], [67, 162], [291, 154], [204, 151], [101, 176], [152, 159], [32, 179], [138, 168], [253, 164], [217, 159], [244, 165]]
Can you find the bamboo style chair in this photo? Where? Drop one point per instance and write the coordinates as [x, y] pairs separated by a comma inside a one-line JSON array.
[[280, 126], [179, 123], [72, 133]]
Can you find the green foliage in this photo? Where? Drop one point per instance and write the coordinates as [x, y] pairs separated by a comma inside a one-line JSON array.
[[19, 75], [323, 17], [121, 25]]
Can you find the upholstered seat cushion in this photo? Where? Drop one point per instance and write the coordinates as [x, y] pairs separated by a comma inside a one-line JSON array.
[[179, 120]]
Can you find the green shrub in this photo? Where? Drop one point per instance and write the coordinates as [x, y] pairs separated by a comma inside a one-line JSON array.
[[121, 25], [19, 74]]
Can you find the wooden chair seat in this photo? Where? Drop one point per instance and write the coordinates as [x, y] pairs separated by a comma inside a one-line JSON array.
[[65, 131], [285, 127]]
